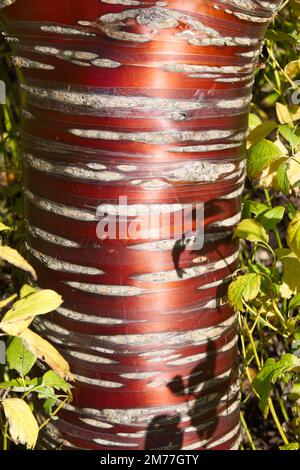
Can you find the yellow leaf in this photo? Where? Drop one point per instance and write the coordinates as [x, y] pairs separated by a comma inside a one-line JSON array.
[[281, 146], [287, 115], [23, 427], [47, 353], [13, 257], [251, 230], [291, 273], [19, 317], [293, 172], [4, 227], [293, 235], [292, 69]]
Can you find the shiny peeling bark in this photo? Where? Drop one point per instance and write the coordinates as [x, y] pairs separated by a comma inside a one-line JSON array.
[[149, 101]]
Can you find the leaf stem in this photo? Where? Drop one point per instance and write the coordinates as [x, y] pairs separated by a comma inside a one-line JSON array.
[[5, 440], [53, 414], [277, 422]]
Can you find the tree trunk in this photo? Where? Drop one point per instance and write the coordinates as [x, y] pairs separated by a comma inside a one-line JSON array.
[[148, 102]]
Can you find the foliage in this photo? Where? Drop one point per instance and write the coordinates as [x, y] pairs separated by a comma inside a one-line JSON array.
[[265, 291], [25, 388]]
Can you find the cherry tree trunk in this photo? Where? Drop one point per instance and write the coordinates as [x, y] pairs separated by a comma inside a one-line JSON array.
[[132, 108]]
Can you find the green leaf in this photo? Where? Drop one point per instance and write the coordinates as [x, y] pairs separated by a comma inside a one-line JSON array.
[[257, 207], [24, 310], [51, 379], [19, 358], [269, 374], [46, 353], [27, 290], [280, 36], [270, 99], [261, 131], [260, 156], [271, 217], [46, 392], [243, 289], [294, 394], [289, 134], [293, 234], [291, 446], [292, 69], [251, 230], [282, 177], [281, 252]]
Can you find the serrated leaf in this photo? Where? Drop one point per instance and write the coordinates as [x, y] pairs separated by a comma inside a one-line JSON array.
[[51, 379], [251, 230], [244, 288], [261, 132], [269, 374], [270, 218], [254, 121], [292, 69], [19, 317], [23, 427], [13, 257], [19, 358], [293, 234], [260, 156], [47, 353], [288, 132]]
